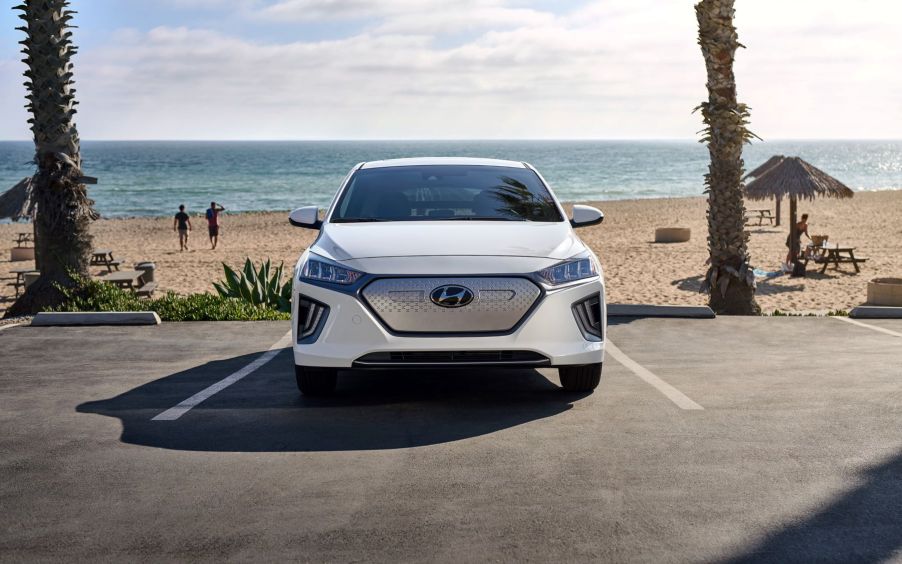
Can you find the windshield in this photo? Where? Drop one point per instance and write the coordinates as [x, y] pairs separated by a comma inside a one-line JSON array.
[[445, 193]]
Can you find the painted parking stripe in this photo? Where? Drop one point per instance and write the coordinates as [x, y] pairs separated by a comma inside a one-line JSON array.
[[10, 325], [866, 326], [184, 407], [679, 398]]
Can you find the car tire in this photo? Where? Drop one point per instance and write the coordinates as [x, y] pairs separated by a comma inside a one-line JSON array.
[[580, 378], [315, 381]]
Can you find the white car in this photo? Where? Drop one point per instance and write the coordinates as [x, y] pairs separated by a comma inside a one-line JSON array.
[[447, 263]]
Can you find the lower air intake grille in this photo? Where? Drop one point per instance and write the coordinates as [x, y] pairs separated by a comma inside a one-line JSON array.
[[588, 316], [452, 358], [311, 318]]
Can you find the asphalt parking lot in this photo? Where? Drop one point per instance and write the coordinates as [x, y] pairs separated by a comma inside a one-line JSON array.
[[740, 440]]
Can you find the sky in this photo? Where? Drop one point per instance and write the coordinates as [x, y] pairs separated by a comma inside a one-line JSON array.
[[464, 69]]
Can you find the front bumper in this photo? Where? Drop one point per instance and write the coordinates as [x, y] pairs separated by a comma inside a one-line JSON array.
[[351, 331]]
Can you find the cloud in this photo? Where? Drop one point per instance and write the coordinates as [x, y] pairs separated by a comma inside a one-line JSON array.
[[199, 83], [489, 68], [409, 16]]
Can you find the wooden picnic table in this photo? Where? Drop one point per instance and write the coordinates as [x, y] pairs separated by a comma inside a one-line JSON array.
[[104, 257], [23, 238], [761, 215], [130, 279], [20, 277], [21, 272], [831, 252]]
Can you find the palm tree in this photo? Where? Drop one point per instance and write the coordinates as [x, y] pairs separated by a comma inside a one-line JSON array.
[[515, 199], [63, 210], [729, 281]]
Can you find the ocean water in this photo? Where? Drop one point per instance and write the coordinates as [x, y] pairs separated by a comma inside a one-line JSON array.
[[153, 177]]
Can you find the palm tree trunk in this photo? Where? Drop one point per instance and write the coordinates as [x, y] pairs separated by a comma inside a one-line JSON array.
[[729, 281], [63, 210], [793, 231], [779, 200]]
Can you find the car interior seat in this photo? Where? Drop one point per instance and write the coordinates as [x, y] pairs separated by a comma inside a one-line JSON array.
[[393, 205], [485, 204]]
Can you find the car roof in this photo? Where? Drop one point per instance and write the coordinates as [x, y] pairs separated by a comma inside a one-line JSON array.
[[453, 161]]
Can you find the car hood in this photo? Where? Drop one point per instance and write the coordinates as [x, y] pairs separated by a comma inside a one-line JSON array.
[[348, 241]]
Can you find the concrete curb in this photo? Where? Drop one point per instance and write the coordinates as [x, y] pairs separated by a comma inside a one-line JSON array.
[[644, 310], [96, 318], [876, 312]]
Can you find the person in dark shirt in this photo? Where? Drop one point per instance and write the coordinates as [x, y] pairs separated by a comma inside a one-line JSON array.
[[183, 223], [796, 246]]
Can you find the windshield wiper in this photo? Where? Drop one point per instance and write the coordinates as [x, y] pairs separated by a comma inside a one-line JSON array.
[[358, 219], [426, 218], [478, 218]]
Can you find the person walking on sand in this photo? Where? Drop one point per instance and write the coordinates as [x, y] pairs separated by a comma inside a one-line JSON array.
[[183, 223], [213, 222]]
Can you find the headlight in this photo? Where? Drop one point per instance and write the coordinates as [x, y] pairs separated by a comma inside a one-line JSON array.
[[569, 271], [323, 271]]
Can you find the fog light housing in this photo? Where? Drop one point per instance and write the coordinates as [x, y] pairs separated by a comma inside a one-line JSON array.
[[588, 317], [311, 318]]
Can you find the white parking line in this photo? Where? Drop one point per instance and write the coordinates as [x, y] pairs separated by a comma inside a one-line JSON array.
[[10, 325], [866, 326], [184, 407], [673, 394]]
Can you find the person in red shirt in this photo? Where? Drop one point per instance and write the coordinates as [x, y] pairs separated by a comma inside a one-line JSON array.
[[213, 222]]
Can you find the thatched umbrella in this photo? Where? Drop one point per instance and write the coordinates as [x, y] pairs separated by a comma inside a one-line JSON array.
[[791, 176], [17, 202], [768, 164]]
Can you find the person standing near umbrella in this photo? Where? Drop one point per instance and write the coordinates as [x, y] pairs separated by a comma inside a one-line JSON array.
[[794, 178], [795, 247], [213, 222]]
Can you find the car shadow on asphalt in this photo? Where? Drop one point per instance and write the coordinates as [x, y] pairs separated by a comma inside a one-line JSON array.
[[370, 410], [863, 524]]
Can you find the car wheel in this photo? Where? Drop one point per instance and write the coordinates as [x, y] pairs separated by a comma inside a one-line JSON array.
[[315, 381], [580, 378]]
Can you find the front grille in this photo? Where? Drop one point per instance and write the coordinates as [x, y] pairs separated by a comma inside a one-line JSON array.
[[451, 358], [494, 304]]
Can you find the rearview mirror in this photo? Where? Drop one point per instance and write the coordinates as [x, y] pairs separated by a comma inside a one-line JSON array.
[[308, 217], [584, 216]]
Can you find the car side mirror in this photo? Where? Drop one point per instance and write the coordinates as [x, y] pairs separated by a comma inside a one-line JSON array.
[[584, 216], [307, 216]]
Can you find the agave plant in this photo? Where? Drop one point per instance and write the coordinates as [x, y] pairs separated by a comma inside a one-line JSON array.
[[262, 287], [63, 210]]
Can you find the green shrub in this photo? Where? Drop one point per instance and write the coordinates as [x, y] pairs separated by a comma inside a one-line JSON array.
[[832, 313], [209, 307], [260, 287], [94, 295]]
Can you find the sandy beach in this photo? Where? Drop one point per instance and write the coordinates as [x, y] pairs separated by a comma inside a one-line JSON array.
[[637, 270]]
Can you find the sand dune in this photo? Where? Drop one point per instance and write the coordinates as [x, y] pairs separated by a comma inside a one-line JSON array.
[[637, 270]]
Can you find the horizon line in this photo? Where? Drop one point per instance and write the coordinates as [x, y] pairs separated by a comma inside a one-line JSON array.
[[464, 139]]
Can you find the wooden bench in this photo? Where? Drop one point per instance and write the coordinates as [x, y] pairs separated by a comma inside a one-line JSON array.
[[146, 290]]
